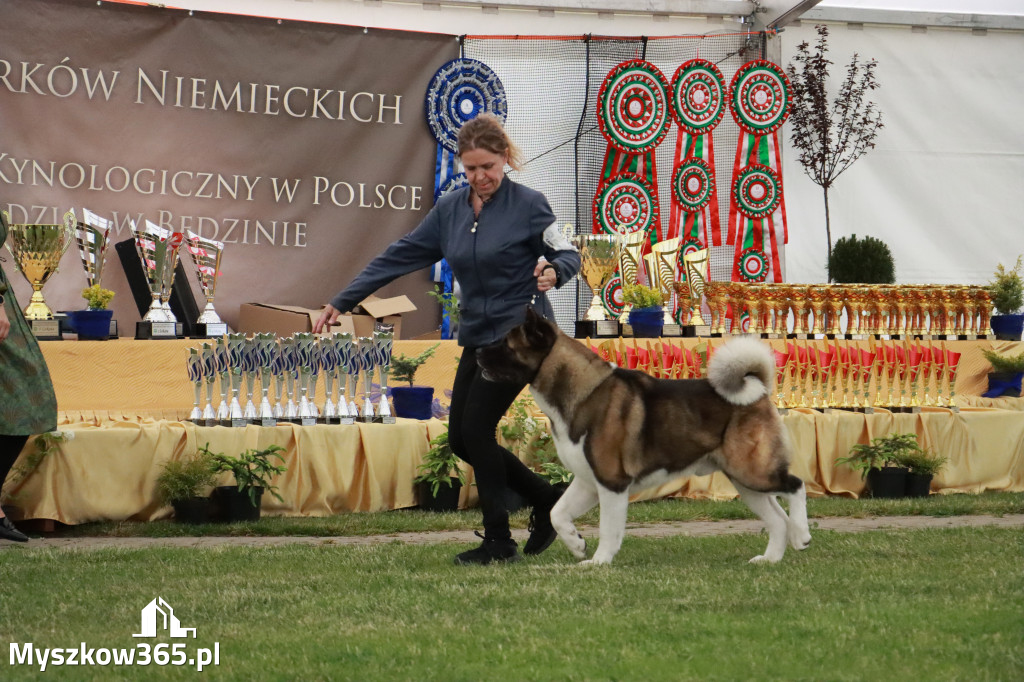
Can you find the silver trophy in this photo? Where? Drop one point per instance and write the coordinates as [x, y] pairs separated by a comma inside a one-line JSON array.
[[250, 367], [224, 370], [290, 364], [210, 374], [352, 367], [194, 363], [236, 350], [277, 368], [266, 350], [366, 364], [329, 364], [344, 349], [158, 249], [206, 256], [92, 235], [383, 341], [305, 346]]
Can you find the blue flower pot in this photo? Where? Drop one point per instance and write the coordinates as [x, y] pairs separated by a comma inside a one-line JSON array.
[[413, 402], [1008, 327], [91, 325], [647, 323]]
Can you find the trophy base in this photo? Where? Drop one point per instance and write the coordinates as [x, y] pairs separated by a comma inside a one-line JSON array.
[[800, 337], [46, 330], [389, 419], [209, 330], [672, 330], [694, 330], [307, 421], [347, 421], [238, 423], [770, 335], [597, 329], [145, 331], [782, 411], [268, 421]]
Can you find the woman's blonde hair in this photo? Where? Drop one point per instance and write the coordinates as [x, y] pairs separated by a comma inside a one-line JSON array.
[[486, 132]]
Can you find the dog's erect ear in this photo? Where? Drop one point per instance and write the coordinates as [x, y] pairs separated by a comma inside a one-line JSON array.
[[540, 333]]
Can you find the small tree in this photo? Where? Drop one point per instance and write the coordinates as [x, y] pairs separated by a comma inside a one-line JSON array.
[[830, 137]]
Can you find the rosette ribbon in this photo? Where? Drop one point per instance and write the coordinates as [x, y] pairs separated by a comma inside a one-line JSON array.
[[459, 91], [758, 98]]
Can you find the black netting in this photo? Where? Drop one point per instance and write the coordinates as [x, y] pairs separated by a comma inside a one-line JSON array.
[[552, 86]]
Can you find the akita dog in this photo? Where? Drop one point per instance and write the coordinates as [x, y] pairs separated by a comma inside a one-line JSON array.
[[621, 431]]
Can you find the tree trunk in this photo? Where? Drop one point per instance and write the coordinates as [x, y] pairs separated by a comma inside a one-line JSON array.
[[828, 235]]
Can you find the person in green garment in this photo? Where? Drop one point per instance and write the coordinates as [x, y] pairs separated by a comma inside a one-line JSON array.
[[27, 402]]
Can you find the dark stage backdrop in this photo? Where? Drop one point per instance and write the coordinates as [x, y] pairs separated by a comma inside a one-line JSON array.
[[302, 146]]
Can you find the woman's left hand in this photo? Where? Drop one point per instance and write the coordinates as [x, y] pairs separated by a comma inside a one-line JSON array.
[[546, 275]]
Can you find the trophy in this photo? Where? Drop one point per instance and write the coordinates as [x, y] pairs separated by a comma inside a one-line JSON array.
[[599, 256], [250, 366], [223, 365], [662, 262], [629, 264], [92, 234], [37, 250], [158, 250], [696, 263], [328, 360], [352, 366], [236, 348], [266, 351], [366, 363], [206, 255], [210, 374], [383, 340], [194, 363], [305, 347], [290, 370], [348, 366], [277, 370]]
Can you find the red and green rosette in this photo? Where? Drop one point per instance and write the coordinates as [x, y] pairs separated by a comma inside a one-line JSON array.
[[626, 204], [759, 102], [698, 96], [611, 296]]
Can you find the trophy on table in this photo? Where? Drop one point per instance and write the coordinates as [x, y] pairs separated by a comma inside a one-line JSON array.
[[158, 250], [290, 370], [305, 346], [383, 341], [599, 256], [277, 370], [37, 250], [92, 235], [662, 263], [696, 263], [194, 363], [223, 365], [348, 368], [366, 363], [629, 265], [250, 366], [206, 256], [236, 348], [329, 364], [352, 367], [266, 351]]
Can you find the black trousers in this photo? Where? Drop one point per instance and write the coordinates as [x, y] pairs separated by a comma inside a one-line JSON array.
[[10, 448], [476, 408]]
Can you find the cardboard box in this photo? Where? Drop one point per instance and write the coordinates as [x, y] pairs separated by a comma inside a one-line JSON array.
[[285, 320]]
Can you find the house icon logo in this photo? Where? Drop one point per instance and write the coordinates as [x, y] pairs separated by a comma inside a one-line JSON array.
[[159, 614]]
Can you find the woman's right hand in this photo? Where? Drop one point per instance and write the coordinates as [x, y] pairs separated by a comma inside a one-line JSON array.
[[5, 324], [328, 317]]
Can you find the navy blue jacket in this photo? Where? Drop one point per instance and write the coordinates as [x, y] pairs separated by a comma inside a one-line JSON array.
[[493, 263]]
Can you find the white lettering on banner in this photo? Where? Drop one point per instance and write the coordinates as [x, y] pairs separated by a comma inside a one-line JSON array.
[[343, 194], [262, 98], [239, 230], [60, 80]]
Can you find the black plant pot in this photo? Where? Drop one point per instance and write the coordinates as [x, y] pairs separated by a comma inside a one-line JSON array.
[[1004, 384], [447, 498], [234, 505], [1007, 327], [918, 485], [888, 482], [194, 510]]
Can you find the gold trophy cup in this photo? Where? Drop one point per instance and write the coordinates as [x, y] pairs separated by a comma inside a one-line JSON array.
[[599, 256], [696, 275], [37, 250]]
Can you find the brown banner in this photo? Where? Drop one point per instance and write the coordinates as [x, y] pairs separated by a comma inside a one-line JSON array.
[[302, 146]]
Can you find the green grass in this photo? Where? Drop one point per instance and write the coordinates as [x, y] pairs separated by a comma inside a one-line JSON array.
[[660, 511], [943, 604]]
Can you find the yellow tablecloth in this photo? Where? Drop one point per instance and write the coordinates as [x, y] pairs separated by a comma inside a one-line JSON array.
[[108, 472]]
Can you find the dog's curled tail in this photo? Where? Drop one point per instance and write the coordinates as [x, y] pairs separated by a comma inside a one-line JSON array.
[[742, 370]]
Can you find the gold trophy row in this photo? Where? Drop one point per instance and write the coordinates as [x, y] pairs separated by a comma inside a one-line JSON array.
[[38, 248], [926, 310], [604, 254]]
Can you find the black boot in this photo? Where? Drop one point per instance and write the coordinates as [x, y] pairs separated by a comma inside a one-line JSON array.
[[542, 533], [9, 532], [491, 549]]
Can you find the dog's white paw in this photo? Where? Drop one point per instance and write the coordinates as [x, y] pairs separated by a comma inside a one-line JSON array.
[[765, 559], [576, 545], [594, 562], [799, 538]]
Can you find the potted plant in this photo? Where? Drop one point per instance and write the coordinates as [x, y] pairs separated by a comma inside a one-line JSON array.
[[861, 261], [1007, 293], [252, 471], [646, 316], [185, 485], [1006, 375], [880, 463], [922, 466], [441, 479], [413, 402], [93, 323]]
